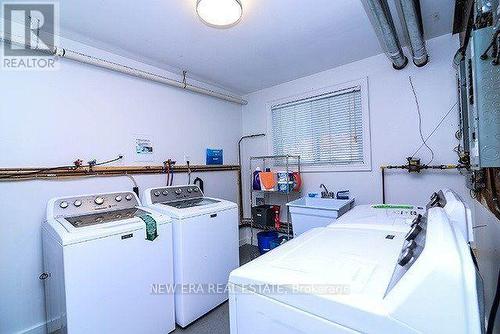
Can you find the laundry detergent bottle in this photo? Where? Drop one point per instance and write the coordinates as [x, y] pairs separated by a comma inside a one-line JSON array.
[[256, 179]]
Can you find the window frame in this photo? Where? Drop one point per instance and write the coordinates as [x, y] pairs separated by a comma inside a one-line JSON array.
[[363, 85]]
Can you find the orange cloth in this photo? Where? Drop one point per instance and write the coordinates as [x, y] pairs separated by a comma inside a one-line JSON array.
[[298, 181], [268, 180]]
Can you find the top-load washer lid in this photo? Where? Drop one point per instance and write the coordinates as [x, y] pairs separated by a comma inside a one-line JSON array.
[[105, 217], [189, 203], [330, 272], [382, 216], [181, 202], [80, 218]]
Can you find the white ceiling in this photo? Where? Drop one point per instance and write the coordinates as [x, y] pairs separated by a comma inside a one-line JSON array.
[[276, 40]]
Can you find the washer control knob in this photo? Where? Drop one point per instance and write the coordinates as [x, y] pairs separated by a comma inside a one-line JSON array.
[[157, 193], [195, 190], [417, 220], [405, 257], [411, 244], [165, 192], [189, 190], [178, 191], [434, 200], [63, 205], [99, 200], [412, 234], [128, 197], [118, 198], [77, 203]]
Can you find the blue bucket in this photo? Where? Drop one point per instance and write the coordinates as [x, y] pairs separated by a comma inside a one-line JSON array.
[[264, 240], [278, 241]]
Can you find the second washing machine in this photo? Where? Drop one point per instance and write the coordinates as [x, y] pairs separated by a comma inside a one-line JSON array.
[[206, 247]]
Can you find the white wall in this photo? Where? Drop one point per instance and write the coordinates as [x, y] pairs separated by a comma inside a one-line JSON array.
[[394, 131], [78, 111]]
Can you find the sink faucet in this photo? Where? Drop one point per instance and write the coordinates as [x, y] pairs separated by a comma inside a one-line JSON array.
[[326, 193]]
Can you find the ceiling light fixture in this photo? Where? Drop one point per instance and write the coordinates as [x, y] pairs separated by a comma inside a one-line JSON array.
[[219, 13]]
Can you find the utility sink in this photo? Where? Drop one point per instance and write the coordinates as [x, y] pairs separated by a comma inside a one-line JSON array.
[[310, 212]]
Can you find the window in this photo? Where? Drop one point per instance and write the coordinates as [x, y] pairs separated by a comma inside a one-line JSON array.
[[326, 129]]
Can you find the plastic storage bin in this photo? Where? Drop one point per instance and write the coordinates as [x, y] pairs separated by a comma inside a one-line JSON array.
[[311, 212], [264, 240]]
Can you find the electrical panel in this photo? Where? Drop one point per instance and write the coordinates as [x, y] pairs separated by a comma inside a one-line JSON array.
[[479, 87]]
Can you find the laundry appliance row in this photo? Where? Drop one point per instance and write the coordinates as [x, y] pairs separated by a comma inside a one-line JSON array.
[[112, 265]]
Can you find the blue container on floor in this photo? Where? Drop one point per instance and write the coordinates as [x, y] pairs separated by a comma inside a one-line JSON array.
[[264, 240]]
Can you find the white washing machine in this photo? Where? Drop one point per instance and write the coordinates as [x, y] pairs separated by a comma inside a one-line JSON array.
[[206, 247], [358, 279], [104, 271]]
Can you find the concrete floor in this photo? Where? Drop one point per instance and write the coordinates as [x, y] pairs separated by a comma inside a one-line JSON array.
[[217, 321]]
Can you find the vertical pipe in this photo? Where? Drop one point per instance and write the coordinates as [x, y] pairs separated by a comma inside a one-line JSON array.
[[413, 27], [379, 14], [383, 184], [240, 175]]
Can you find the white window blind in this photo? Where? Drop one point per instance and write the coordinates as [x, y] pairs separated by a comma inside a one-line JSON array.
[[324, 130]]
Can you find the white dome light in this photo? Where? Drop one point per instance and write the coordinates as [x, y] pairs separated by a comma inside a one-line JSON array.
[[219, 13]]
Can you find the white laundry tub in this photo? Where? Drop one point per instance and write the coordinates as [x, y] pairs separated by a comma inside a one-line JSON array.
[[311, 212]]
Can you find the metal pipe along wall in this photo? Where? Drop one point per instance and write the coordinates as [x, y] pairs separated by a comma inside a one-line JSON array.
[[90, 60]]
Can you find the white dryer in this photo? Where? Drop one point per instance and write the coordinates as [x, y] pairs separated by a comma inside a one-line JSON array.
[[358, 279], [104, 257], [206, 247]]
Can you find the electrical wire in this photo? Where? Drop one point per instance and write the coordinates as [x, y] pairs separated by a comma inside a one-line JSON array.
[[437, 127], [108, 161], [420, 123]]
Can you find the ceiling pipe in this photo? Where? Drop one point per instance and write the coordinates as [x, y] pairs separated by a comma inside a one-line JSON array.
[[82, 58], [380, 16], [411, 18], [98, 62]]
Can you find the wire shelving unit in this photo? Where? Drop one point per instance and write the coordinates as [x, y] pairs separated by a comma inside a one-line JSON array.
[[289, 164]]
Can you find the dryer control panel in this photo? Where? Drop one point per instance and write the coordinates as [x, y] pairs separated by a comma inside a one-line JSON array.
[[175, 193]]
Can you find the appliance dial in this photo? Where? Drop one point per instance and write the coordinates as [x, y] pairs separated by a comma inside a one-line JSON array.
[[189, 190], [411, 244], [118, 198], [128, 197], [434, 200], [157, 193], [165, 192], [417, 220], [99, 200], [77, 203], [405, 257], [195, 190], [178, 191], [412, 234], [63, 205]]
